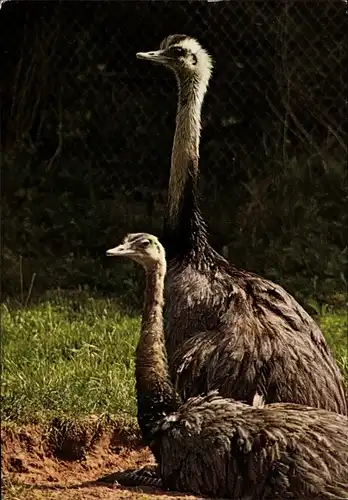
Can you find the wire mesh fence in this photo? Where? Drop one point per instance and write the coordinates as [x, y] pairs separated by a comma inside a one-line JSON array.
[[88, 129]]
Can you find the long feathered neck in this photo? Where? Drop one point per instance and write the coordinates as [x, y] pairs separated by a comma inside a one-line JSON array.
[[151, 361], [184, 227], [156, 394]]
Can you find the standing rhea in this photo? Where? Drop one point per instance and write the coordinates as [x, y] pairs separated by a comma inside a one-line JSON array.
[[220, 447], [228, 329]]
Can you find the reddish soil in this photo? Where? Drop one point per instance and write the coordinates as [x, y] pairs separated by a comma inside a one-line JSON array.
[[63, 461]]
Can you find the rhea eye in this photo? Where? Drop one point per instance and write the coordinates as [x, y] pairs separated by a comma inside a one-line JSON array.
[[177, 51], [145, 243]]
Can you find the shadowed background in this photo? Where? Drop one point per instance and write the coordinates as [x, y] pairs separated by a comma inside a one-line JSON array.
[[88, 129]]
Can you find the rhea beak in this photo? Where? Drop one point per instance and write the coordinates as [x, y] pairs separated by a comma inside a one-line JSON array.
[[119, 251], [155, 56]]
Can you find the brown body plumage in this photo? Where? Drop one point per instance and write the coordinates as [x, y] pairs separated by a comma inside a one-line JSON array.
[[228, 329], [220, 447]]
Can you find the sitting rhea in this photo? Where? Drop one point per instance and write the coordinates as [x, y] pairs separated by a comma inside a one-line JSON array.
[[220, 447]]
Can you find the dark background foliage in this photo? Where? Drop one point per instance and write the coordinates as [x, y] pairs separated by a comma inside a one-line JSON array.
[[87, 134]]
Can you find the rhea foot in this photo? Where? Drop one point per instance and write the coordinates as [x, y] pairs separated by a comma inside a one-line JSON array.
[[146, 476]]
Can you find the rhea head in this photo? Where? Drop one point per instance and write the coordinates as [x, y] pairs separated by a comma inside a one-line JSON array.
[[143, 248], [183, 55]]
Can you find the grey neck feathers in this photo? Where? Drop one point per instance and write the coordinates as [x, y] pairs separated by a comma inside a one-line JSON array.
[[183, 212], [151, 359]]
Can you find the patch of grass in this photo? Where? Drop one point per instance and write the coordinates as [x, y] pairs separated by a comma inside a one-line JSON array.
[[12, 489], [335, 328], [73, 355], [67, 357]]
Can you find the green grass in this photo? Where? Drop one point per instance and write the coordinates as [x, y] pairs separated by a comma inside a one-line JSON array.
[[335, 328], [73, 355], [68, 357]]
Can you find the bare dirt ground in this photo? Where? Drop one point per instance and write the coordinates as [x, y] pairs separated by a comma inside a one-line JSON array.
[[48, 464]]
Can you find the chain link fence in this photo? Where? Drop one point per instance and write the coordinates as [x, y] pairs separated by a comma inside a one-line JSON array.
[[88, 131]]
